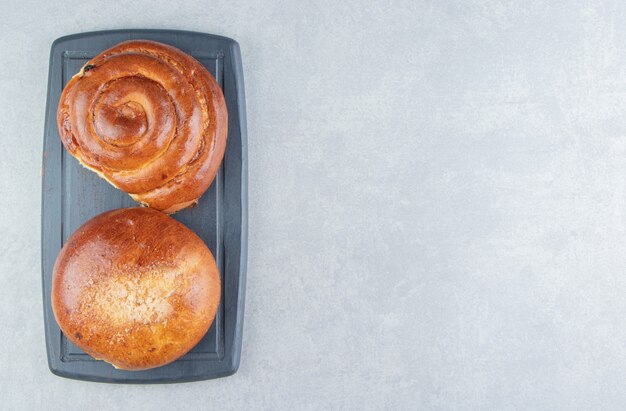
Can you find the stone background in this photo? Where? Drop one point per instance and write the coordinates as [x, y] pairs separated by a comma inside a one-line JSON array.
[[437, 204]]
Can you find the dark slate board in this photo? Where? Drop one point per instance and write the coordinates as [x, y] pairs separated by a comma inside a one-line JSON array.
[[72, 195]]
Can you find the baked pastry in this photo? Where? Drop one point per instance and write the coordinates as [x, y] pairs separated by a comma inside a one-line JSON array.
[[135, 288], [149, 119]]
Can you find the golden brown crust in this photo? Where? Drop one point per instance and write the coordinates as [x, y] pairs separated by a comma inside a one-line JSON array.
[[135, 288], [149, 119]]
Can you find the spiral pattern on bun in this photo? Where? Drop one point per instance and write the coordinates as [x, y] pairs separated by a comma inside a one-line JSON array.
[[149, 119]]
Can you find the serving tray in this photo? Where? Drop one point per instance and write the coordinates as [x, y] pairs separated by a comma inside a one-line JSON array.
[[72, 195]]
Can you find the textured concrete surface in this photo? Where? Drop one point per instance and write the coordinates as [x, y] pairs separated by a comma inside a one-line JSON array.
[[437, 204]]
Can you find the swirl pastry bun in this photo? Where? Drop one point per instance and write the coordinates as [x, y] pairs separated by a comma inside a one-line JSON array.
[[149, 119], [135, 288]]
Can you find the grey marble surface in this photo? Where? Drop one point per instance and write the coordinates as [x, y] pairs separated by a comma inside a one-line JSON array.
[[437, 204]]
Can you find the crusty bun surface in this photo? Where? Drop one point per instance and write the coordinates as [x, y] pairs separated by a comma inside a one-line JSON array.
[[135, 288], [149, 119]]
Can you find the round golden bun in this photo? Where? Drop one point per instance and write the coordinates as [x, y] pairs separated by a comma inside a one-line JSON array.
[[135, 288], [149, 119]]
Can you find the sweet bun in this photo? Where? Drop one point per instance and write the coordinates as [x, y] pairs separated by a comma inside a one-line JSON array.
[[149, 119], [135, 288]]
